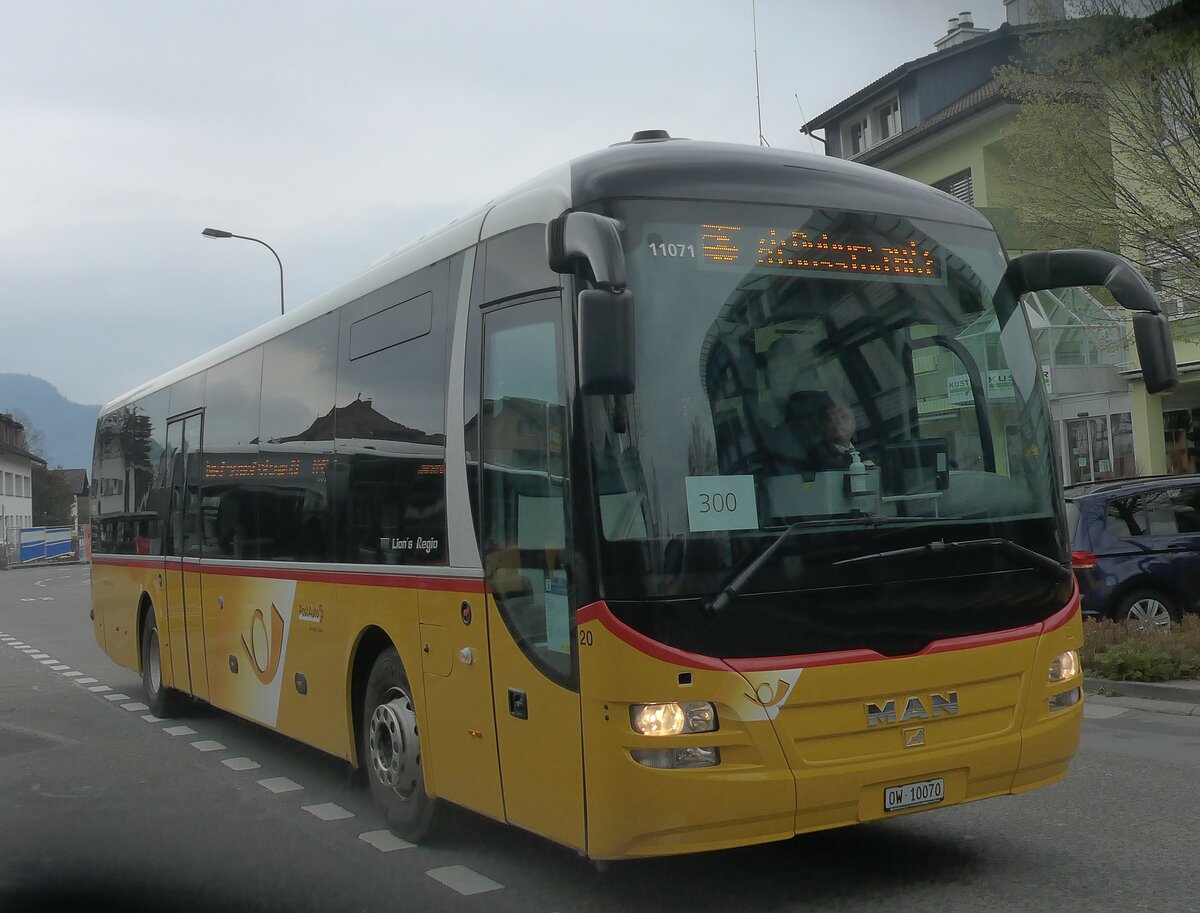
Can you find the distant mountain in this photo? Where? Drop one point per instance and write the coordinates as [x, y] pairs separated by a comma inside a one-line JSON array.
[[67, 427]]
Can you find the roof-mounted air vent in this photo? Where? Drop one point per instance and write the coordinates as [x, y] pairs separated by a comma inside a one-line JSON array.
[[649, 136]]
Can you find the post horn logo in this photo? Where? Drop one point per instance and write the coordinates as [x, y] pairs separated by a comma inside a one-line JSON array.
[[766, 696], [272, 645]]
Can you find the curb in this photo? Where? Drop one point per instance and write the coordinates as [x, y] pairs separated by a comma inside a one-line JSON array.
[[1180, 698]]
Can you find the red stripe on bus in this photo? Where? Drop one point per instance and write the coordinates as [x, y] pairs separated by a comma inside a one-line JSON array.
[[442, 584], [600, 612]]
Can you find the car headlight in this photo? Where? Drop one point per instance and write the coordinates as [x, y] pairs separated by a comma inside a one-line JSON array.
[[673, 718]]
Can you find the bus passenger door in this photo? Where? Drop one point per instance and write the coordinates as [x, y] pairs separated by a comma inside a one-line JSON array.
[[525, 534], [182, 566]]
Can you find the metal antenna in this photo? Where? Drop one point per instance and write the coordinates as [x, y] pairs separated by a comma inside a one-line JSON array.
[[804, 120], [762, 140]]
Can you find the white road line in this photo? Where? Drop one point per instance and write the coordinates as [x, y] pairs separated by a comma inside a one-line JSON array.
[[463, 879], [385, 841], [151, 718], [279, 784], [19, 645], [72, 674], [32, 650], [85, 681], [99, 688], [328, 811], [241, 764], [51, 662], [36, 655], [208, 745], [179, 730], [135, 707], [116, 697]]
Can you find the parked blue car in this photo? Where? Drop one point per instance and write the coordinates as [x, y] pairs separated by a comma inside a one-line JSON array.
[[1135, 547]]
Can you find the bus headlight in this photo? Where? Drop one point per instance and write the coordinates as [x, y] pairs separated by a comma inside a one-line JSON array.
[[675, 758], [673, 718], [1064, 667]]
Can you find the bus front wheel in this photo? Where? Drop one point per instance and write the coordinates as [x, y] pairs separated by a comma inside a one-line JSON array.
[[390, 749], [162, 700]]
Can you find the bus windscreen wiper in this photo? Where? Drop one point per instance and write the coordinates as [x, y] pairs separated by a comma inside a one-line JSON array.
[[734, 588], [1036, 559]]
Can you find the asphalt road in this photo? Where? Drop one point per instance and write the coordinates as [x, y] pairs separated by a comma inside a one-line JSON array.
[[101, 807]]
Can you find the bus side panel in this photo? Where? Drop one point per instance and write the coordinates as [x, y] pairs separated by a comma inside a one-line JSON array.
[[312, 698], [459, 735], [261, 632], [635, 810], [116, 593]]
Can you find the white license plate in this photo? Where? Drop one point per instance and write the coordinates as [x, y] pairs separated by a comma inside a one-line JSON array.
[[910, 795]]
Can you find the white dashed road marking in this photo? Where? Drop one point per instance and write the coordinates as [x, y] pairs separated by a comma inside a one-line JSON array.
[[84, 681], [179, 730], [151, 718], [135, 707], [62, 667], [51, 662], [279, 784], [116, 697], [72, 674], [32, 650], [38, 655], [463, 879], [208, 745], [99, 688], [385, 841], [241, 764], [328, 811]]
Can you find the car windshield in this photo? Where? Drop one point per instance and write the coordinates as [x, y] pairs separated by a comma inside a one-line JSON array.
[[843, 376]]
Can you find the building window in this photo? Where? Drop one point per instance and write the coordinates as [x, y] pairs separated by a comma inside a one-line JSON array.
[[859, 134], [958, 185], [889, 119]]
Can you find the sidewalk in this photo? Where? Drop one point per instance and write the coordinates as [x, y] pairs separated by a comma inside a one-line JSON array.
[[1179, 698]]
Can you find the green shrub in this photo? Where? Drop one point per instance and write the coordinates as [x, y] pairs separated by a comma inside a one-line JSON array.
[[1132, 652]]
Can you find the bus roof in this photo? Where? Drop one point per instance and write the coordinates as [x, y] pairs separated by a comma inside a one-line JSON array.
[[656, 167]]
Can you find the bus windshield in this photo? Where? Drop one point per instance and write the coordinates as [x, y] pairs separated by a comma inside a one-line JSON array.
[[843, 381]]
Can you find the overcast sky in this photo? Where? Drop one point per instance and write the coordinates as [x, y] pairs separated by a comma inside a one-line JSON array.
[[339, 131]]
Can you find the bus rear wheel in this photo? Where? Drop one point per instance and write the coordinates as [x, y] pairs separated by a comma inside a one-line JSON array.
[[162, 700], [390, 750]]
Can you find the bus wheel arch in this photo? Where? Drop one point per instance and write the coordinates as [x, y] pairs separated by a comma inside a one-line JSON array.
[[389, 748]]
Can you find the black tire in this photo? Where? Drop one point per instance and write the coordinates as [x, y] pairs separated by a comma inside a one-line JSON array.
[[163, 701], [1147, 606], [389, 750]]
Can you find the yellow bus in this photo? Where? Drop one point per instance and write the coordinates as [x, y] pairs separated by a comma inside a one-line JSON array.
[[689, 496]]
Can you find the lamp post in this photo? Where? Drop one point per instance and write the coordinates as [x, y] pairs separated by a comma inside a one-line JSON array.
[[218, 233]]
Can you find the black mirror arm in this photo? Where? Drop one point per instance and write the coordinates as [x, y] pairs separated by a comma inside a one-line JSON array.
[[1041, 270], [587, 236]]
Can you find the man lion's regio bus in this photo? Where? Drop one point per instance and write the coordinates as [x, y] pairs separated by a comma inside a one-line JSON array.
[[526, 518]]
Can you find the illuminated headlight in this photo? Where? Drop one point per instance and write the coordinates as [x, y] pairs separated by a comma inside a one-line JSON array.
[[1064, 700], [674, 758], [673, 718], [1064, 667]]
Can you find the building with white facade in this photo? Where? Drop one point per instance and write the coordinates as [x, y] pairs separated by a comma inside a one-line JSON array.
[[16, 479]]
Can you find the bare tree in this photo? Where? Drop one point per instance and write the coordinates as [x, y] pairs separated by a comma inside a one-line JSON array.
[[1105, 150]]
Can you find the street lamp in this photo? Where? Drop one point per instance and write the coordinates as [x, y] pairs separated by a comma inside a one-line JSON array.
[[218, 233]]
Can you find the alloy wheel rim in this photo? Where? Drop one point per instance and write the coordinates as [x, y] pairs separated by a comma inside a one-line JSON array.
[[395, 749], [1150, 611], [155, 662]]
